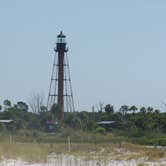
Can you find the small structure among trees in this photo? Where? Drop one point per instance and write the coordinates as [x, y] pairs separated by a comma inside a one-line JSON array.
[[108, 125], [51, 126]]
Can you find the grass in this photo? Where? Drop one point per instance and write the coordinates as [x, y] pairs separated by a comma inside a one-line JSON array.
[[79, 136], [35, 146], [27, 151], [61, 137], [142, 164], [38, 152]]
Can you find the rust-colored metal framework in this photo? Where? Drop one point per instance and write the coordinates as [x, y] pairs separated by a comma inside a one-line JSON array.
[[60, 91]]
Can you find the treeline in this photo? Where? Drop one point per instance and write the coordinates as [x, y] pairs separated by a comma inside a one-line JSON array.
[[128, 121], [125, 118], [145, 125]]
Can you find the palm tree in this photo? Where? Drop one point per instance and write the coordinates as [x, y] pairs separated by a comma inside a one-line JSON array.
[[143, 110], [124, 109], [133, 108], [150, 109]]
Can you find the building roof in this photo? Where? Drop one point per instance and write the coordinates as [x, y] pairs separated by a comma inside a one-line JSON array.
[[106, 122], [51, 122], [6, 121]]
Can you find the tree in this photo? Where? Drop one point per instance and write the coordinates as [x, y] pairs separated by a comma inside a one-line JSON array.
[[7, 104], [56, 111], [157, 111], [76, 122], [109, 109], [43, 108], [133, 108], [100, 107], [36, 102], [150, 109], [22, 106], [124, 109], [143, 110]]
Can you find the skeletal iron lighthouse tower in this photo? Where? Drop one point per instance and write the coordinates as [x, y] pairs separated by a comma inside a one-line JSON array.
[[60, 92]]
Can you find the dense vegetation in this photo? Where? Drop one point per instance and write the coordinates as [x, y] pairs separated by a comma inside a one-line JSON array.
[[144, 125]]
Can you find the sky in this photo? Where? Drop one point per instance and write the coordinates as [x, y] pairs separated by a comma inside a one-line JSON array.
[[117, 50]]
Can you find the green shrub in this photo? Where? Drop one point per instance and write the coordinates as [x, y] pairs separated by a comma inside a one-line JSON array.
[[159, 141], [100, 130], [162, 141]]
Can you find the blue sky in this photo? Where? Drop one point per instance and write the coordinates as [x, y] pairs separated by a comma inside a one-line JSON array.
[[117, 49]]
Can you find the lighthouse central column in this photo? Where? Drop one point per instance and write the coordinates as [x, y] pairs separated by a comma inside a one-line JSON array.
[[61, 83], [61, 50]]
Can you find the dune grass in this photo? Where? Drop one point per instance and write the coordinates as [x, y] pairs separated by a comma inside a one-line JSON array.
[[35, 146], [38, 152]]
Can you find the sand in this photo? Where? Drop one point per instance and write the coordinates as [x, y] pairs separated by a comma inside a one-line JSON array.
[[71, 160]]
